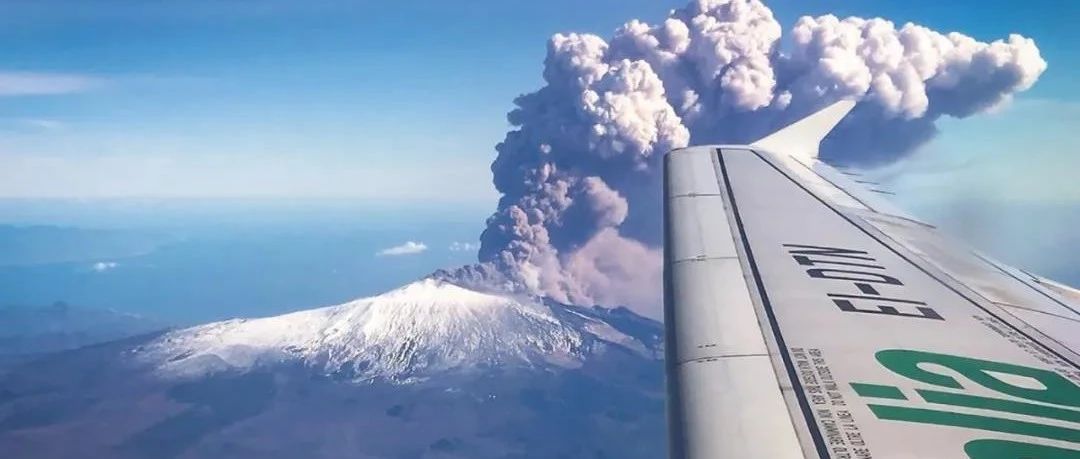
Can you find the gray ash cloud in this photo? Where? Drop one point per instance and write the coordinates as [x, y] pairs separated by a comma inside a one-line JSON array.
[[579, 174]]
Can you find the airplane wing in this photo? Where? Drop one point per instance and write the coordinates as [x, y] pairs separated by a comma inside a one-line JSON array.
[[807, 317]]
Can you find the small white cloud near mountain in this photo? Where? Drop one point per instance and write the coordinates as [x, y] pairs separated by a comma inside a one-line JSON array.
[[103, 266], [464, 246], [408, 248]]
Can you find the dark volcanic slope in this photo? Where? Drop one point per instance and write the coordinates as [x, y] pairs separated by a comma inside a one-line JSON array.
[[97, 402]]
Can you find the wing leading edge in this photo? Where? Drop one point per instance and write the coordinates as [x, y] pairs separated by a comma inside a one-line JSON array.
[[808, 317]]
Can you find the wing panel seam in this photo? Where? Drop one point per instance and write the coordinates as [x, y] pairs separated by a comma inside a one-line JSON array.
[[1045, 313], [999, 268], [860, 201], [691, 195], [700, 258], [709, 358]]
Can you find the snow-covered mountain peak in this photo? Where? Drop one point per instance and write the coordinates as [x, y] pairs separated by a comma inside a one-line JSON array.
[[423, 328]]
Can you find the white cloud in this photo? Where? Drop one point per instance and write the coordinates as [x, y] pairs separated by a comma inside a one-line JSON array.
[[35, 84], [408, 248], [464, 246], [103, 266], [43, 166], [42, 124]]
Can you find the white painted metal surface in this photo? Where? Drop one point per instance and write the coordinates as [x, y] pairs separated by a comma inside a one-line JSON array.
[[725, 399], [807, 318]]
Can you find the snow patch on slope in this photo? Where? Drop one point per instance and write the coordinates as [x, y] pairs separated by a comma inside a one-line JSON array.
[[423, 328]]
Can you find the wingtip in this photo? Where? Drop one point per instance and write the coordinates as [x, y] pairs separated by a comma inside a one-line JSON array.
[[805, 135]]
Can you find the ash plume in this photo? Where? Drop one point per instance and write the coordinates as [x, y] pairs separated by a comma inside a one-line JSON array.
[[579, 174]]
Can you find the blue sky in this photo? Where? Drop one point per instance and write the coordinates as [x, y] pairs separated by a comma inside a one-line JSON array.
[[367, 100], [394, 109]]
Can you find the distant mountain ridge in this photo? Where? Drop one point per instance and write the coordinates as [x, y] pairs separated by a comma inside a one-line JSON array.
[[34, 330]]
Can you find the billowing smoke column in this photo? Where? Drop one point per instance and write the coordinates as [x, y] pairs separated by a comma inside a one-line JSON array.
[[579, 217]]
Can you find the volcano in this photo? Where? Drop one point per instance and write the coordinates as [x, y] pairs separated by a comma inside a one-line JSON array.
[[431, 369]]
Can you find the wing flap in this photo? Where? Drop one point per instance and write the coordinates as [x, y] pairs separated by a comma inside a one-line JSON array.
[[726, 405], [696, 237], [725, 399]]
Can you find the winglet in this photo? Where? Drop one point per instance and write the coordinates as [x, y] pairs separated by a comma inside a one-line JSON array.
[[803, 137]]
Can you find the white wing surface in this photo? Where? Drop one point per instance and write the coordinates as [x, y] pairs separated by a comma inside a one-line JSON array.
[[808, 317]]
